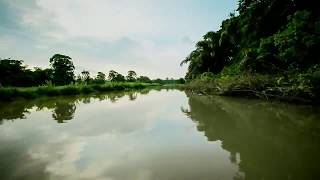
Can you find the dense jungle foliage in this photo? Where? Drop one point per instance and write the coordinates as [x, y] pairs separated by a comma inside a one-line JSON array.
[[271, 41]]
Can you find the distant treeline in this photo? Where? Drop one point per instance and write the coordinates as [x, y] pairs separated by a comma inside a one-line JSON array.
[[13, 73]]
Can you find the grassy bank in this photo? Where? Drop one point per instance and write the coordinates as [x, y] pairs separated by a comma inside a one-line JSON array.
[[11, 93], [297, 89]]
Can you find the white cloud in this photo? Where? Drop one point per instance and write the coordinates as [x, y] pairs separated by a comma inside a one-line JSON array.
[[146, 58], [101, 35], [6, 43], [110, 19]]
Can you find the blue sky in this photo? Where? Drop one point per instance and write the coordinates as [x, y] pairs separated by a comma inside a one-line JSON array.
[[149, 36]]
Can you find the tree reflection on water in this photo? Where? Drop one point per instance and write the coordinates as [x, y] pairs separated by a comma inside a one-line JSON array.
[[268, 140], [63, 108]]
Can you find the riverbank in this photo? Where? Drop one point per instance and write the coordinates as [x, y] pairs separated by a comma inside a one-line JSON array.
[[258, 86], [12, 93]]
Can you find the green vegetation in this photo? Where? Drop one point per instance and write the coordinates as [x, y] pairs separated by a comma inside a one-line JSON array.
[[297, 90], [62, 69], [14, 73], [7, 94], [269, 49], [17, 81]]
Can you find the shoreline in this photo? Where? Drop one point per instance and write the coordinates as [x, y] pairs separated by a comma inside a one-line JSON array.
[[13, 93], [235, 88]]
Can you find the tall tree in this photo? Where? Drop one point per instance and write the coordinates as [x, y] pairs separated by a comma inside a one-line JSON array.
[[112, 75], [63, 69], [85, 76], [101, 76], [132, 76], [120, 78]]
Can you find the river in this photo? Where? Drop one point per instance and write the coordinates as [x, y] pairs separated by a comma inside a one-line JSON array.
[[158, 135]]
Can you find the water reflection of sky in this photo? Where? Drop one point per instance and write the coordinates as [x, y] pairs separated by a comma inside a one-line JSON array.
[[148, 138]]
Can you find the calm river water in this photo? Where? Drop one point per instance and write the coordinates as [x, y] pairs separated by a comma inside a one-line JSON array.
[[158, 135]]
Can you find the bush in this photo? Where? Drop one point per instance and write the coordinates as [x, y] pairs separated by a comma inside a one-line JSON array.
[[8, 93], [28, 94], [86, 90], [207, 76], [102, 88], [315, 82], [48, 91], [118, 87], [70, 90]]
